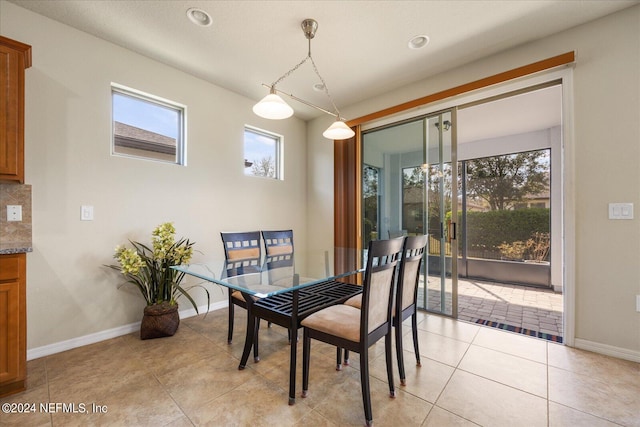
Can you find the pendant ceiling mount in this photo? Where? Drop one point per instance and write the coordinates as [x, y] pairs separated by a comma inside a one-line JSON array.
[[309, 27]]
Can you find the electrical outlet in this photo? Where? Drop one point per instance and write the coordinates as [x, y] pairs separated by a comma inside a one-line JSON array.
[[86, 213], [14, 213]]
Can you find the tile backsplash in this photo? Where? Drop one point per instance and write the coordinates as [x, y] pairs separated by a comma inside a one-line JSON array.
[[15, 236]]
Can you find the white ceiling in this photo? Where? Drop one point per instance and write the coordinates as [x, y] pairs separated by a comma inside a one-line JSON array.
[[513, 115], [360, 47], [526, 112]]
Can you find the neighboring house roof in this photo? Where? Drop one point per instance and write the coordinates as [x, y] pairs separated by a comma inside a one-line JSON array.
[[141, 139], [543, 195]]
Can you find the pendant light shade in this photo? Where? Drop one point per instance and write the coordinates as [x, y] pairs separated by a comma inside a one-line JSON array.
[[273, 107], [338, 130]]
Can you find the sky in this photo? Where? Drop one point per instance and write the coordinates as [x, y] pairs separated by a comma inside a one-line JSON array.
[[152, 117], [257, 146]]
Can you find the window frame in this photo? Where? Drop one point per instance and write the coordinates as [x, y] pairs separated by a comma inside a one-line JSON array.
[[181, 139], [279, 149]]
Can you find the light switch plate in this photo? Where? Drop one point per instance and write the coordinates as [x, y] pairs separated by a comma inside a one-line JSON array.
[[86, 213], [14, 213], [620, 210]]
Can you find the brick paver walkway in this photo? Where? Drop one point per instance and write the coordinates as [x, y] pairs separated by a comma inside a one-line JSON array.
[[516, 305]]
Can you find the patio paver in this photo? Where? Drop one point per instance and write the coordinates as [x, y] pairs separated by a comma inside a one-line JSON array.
[[533, 308]]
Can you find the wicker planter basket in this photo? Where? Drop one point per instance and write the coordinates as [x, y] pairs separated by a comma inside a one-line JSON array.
[[159, 320]]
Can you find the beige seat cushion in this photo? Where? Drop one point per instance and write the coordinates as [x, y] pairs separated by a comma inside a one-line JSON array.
[[238, 295], [355, 301], [340, 320]]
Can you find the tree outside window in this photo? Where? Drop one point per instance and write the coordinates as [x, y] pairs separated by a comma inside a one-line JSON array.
[[262, 153], [504, 182], [370, 184], [508, 206]]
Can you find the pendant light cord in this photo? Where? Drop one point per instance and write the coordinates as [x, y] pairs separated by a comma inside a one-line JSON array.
[[315, 69]]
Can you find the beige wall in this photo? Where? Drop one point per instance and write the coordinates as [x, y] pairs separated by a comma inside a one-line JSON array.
[[68, 163], [604, 157]]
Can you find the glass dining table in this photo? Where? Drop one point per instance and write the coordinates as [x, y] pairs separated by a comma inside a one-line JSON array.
[[282, 289]]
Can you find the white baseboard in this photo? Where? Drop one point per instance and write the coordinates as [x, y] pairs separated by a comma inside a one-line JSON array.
[[47, 350], [608, 350]]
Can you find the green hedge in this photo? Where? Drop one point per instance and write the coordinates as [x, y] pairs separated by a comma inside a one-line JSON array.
[[490, 229]]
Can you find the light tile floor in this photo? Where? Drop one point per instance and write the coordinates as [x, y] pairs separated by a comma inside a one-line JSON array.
[[470, 375]]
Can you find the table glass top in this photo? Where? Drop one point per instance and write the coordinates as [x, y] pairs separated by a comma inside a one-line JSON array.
[[269, 275]]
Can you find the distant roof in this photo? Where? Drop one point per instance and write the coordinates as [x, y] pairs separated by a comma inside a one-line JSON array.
[[134, 137]]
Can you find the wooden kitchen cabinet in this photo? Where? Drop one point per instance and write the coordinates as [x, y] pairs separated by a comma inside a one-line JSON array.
[[13, 323], [15, 57]]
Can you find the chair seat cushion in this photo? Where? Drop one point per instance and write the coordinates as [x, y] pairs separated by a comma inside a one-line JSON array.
[[340, 320], [238, 295], [355, 301]]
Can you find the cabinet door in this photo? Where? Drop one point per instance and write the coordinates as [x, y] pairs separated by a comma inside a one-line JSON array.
[[11, 114], [9, 328]]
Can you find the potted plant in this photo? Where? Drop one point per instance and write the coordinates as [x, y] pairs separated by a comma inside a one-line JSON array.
[[149, 269]]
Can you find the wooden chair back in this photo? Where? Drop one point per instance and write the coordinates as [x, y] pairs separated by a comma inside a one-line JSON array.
[[278, 242], [241, 245], [409, 272], [377, 291]]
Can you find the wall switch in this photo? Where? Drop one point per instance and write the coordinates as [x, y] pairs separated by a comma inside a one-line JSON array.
[[620, 210], [86, 213], [14, 213], [638, 303]]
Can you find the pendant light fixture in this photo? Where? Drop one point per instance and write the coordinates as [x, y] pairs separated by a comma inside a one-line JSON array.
[[274, 107]]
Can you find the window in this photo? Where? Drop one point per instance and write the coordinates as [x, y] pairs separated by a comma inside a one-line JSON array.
[[262, 153], [371, 203], [147, 127]]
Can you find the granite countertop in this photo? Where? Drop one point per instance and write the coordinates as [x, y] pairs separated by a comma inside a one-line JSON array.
[[15, 248]]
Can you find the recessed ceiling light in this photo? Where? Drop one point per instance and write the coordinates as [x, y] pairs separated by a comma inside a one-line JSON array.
[[199, 17], [418, 41], [318, 87]]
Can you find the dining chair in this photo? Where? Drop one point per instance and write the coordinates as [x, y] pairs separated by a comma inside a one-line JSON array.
[[396, 233], [240, 246], [406, 296], [280, 269], [278, 242], [355, 329], [278, 245]]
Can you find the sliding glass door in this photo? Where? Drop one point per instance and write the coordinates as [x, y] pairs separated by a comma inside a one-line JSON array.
[[440, 172], [409, 188]]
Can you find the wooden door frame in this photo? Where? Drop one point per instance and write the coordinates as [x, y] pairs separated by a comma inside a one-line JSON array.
[[347, 181]]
